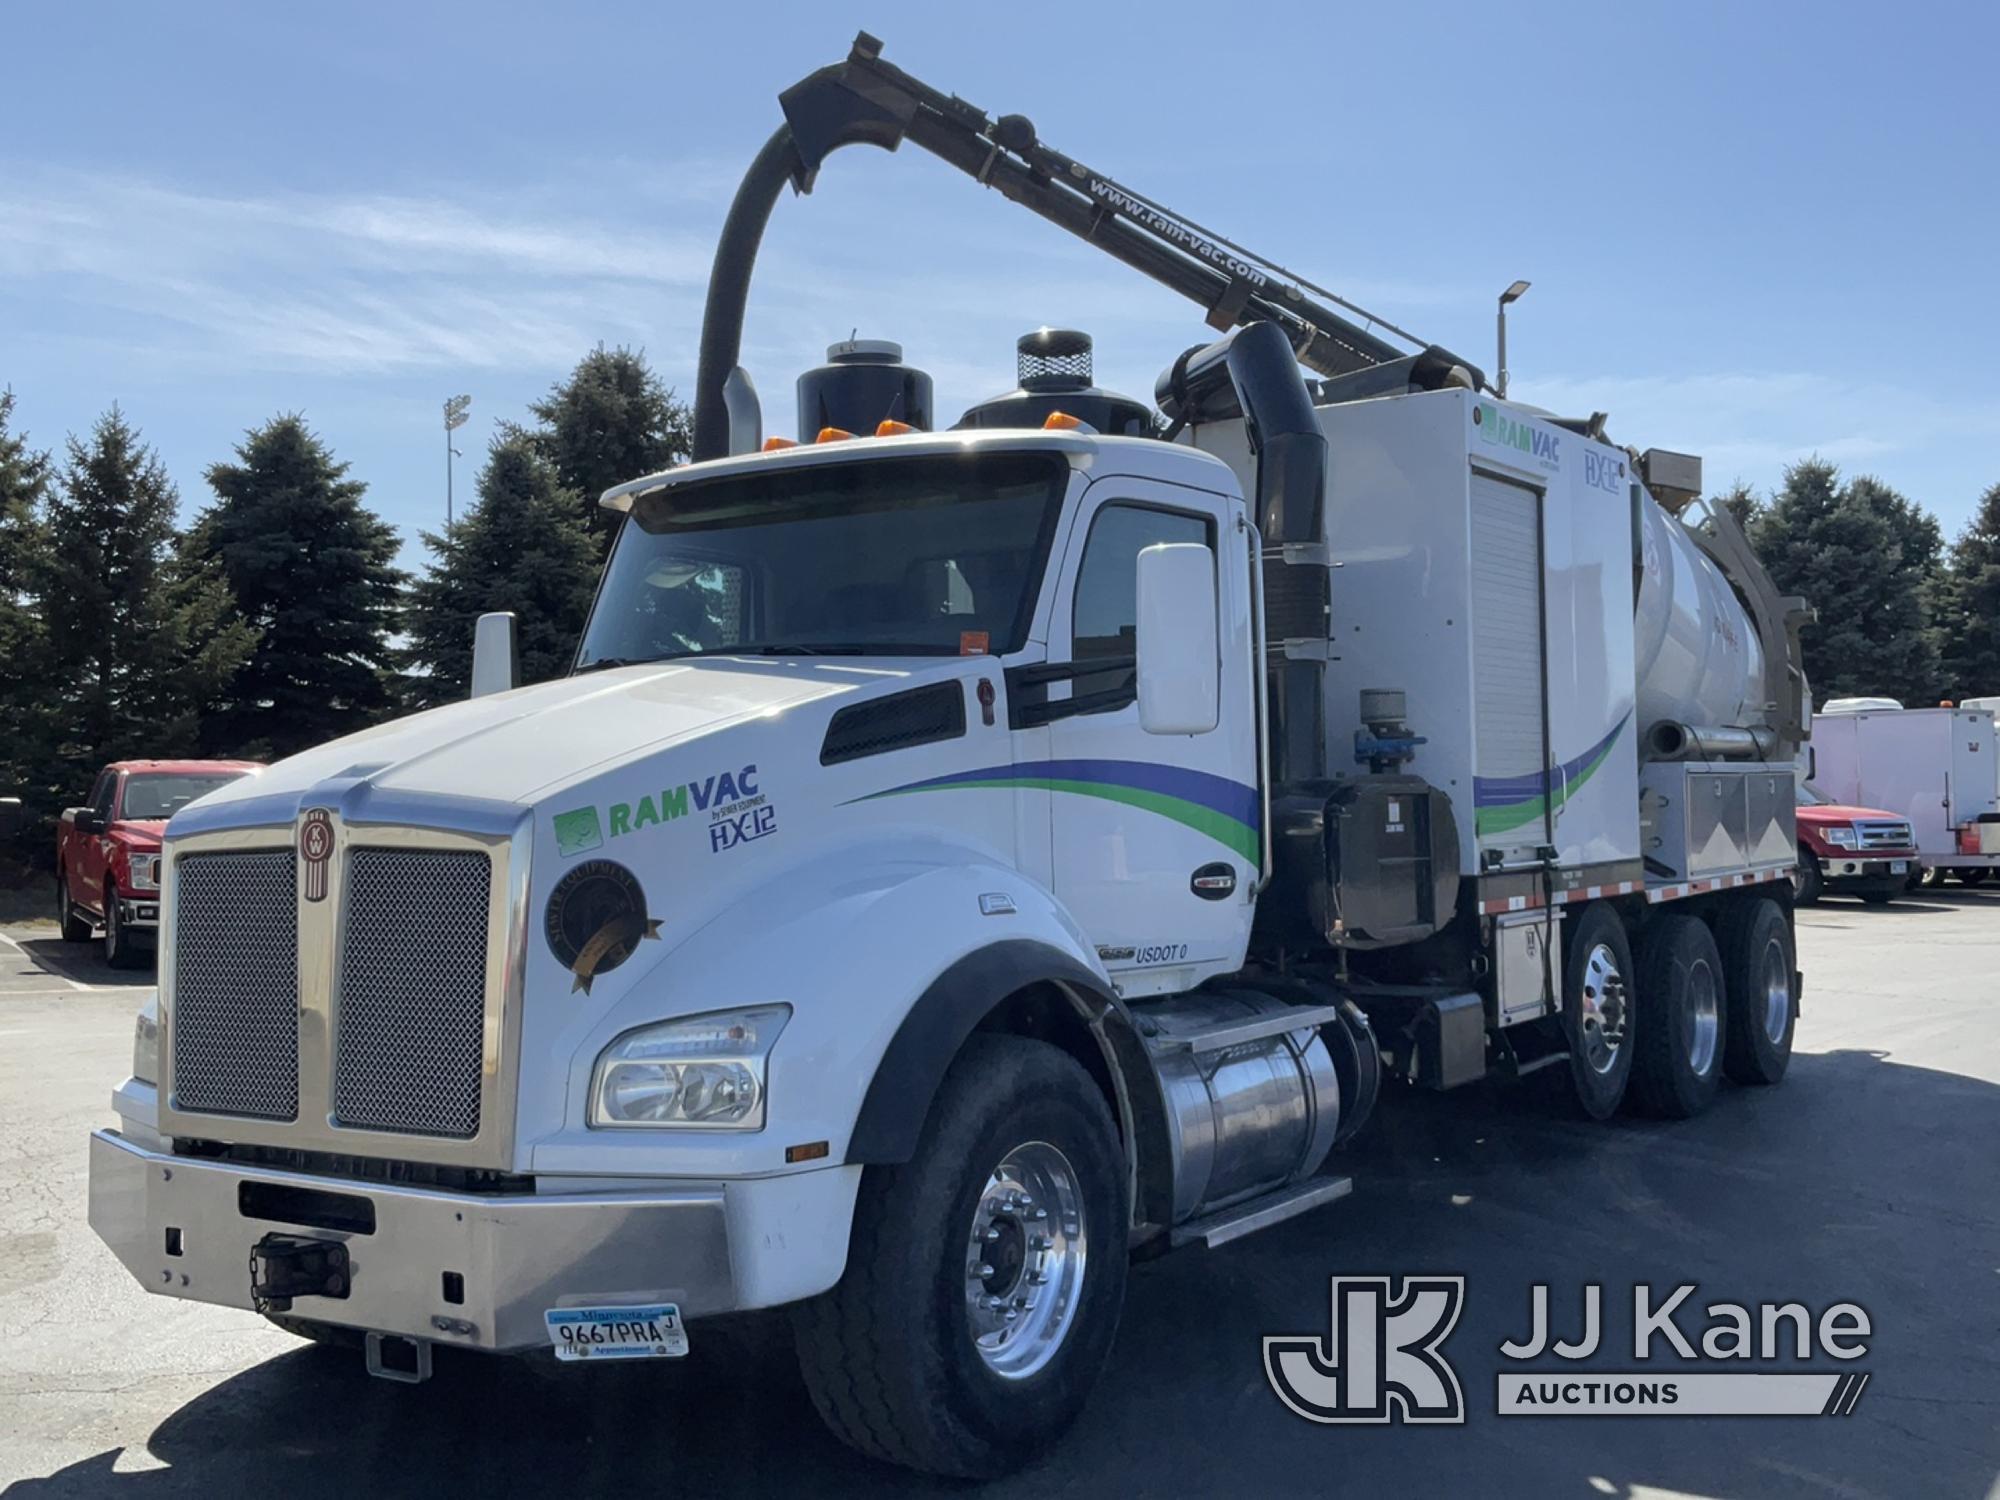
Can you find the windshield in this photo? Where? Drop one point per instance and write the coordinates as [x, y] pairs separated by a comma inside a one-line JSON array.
[[158, 795], [938, 555], [1812, 796]]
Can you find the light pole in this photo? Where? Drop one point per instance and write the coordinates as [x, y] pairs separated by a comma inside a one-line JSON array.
[[454, 418], [1512, 294]]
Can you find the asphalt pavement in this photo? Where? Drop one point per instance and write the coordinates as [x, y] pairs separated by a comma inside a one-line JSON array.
[[1869, 1176]]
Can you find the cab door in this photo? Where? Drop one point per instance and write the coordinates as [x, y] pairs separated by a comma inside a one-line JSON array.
[[1154, 838]]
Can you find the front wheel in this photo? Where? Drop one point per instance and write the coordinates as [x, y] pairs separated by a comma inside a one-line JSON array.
[[984, 1276], [1807, 882], [119, 950], [75, 925]]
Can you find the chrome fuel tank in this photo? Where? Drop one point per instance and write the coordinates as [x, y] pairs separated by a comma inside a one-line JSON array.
[[1246, 1117]]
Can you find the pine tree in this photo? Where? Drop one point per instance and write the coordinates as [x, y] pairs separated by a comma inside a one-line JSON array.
[[1741, 502], [520, 548], [312, 569], [24, 482], [139, 642], [611, 421], [1967, 614], [1853, 552]]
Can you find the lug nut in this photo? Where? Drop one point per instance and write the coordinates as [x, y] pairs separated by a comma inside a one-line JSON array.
[[981, 1271]]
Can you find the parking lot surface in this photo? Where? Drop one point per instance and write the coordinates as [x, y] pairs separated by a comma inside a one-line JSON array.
[[1871, 1176]]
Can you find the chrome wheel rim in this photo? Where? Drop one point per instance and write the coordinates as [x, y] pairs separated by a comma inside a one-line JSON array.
[[1701, 1021], [1024, 1270], [1606, 1009], [1777, 992]]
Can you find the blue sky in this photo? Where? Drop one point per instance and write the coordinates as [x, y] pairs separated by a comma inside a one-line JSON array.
[[1754, 231]]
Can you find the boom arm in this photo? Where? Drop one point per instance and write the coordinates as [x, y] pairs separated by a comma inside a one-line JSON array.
[[866, 101]]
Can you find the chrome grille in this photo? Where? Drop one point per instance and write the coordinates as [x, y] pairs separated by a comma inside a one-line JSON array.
[[409, 1031], [1882, 834], [235, 1012]]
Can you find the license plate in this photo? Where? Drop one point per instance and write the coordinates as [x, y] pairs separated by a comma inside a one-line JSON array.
[[653, 1332], [1899, 867]]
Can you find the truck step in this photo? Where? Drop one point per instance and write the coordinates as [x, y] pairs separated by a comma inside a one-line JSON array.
[[1261, 1213], [1236, 1033]]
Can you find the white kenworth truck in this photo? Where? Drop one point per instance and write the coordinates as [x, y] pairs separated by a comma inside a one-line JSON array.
[[963, 860]]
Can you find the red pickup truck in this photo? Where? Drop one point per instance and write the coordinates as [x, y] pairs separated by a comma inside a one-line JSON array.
[[108, 850], [1860, 851]]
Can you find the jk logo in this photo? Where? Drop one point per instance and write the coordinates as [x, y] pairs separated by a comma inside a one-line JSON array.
[[1382, 1362]]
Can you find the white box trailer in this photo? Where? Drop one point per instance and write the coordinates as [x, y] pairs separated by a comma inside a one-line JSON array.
[[1937, 767]]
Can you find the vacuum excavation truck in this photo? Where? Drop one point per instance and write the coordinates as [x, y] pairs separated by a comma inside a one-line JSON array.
[[966, 858]]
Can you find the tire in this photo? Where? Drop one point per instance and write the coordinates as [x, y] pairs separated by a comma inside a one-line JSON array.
[[1684, 1018], [889, 1353], [1918, 878], [1759, 962], [1973, 875], [333, 1335], [120, 952], [1807, 882], [75, 926], [1597, 1012], [1933, 876]]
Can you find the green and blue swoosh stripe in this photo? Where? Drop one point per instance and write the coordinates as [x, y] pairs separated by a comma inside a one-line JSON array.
[[1500, 803], [1225, 810]]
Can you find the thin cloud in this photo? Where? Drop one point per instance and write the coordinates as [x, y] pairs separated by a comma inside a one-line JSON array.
[[339, 284]]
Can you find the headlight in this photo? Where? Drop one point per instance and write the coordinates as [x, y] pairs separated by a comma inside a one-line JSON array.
[[699, 1071], [1843, 838], [145, 870], [146, 1042]]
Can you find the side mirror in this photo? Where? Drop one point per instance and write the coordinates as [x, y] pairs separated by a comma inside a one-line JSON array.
[[88, 821], [496, 664], [1180, 667], [10, 817]]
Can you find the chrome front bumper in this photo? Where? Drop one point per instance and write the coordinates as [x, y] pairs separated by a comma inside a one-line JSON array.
[[514, 1257], [140, 913]]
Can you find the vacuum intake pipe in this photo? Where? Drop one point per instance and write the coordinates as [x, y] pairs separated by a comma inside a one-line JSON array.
[[1253, 373], [1669, 740]]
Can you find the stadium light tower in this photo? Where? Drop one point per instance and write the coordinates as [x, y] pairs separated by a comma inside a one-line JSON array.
[[454, 418]]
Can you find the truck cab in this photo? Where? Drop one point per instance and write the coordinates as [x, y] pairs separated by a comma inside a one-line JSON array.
[[108, 848]]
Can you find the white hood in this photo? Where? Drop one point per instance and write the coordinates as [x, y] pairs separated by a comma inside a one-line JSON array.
[[514, 747]]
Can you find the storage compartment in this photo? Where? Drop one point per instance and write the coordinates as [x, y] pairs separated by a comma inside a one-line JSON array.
[[1527, 965], [1704, 819]]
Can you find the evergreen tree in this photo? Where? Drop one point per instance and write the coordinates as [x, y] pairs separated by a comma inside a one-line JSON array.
[[139, 641], [520, 548], [1741, 502], [1848, 550], [312, 569], [1967, 617], [611, 421], [24, 481]]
